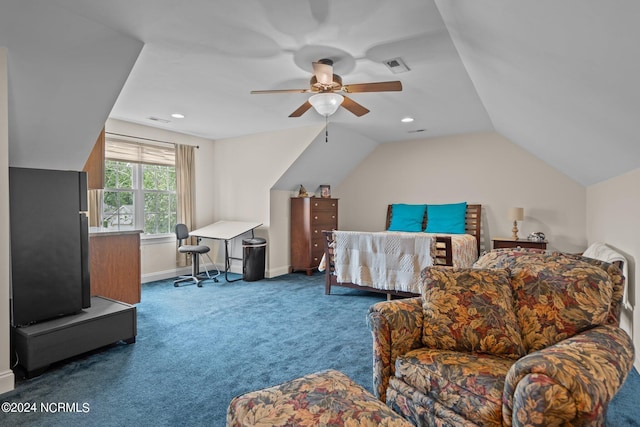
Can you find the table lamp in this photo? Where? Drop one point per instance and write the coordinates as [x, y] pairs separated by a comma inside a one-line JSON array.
[[516, 214]]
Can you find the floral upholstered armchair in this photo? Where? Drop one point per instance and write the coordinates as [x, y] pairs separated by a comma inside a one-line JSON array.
[[523, 338]]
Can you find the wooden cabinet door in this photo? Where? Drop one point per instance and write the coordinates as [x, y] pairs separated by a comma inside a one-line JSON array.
[[94, 167]]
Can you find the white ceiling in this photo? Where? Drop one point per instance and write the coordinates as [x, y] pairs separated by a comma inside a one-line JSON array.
[[557, 77]]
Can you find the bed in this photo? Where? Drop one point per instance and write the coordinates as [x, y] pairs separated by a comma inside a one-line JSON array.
[[419, 249]]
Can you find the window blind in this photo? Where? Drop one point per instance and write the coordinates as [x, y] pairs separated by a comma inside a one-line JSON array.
[[137, 152]]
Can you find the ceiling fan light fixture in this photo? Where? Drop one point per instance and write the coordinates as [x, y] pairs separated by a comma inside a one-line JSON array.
[[323, 73], [326, 103]]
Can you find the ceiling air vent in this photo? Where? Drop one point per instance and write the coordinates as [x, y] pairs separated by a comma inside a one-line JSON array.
[[396, 65], [158, 119]]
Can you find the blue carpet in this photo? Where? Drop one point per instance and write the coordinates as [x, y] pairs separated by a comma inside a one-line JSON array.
[[197, 348]]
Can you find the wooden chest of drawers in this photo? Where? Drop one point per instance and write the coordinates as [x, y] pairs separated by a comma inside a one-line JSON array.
[[309, 216]]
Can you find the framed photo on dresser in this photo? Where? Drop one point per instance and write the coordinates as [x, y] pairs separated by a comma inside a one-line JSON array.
[[325, 191]]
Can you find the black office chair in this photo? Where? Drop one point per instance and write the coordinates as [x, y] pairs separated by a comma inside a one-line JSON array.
[[196, 251]]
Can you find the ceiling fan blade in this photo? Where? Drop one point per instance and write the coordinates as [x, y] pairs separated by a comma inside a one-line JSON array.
[[301, 110], [373, 87], [323, 72], [354, 107], [259, 92]]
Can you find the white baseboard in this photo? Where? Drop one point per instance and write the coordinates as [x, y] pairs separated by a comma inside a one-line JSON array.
[[7, 381], [184, 271], [235, 269], [280, 271], [166, 274]]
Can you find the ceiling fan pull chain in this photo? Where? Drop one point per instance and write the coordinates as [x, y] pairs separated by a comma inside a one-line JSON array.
[[326, 129]]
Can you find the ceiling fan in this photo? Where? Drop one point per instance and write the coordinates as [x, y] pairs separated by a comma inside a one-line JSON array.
[[324, 84]]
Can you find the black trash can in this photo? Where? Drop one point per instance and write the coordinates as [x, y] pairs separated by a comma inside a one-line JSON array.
[[253, 256]]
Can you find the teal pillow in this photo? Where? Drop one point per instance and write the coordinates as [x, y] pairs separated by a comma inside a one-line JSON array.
[[406, 217], [446, 218]]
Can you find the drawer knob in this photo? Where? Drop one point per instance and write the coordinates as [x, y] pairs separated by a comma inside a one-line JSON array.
[[315, 217]]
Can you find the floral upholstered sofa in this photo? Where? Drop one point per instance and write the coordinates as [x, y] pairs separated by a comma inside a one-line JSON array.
[[522, 338]]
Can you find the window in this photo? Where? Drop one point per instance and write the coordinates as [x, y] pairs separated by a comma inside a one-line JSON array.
[[140, 187]]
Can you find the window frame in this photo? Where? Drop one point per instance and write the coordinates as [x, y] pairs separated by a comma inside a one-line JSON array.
[[141, 204], [137, 185]]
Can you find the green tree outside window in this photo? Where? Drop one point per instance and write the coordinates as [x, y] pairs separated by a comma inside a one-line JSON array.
[[139, 196]]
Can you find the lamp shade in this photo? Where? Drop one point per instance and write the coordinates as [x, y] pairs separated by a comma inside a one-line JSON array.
[[516, 214], [326, 103]]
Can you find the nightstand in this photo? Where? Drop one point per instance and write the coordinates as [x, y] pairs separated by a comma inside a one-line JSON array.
[[500, 242]]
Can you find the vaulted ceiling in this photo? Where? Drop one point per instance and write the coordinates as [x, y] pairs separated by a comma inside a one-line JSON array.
[[557, 77]]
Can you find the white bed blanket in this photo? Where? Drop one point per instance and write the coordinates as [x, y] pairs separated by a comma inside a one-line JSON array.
[[382, 260], [604, 253]]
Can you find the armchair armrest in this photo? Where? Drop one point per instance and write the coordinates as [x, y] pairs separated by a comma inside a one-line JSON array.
[[569, 383], [396, 327]]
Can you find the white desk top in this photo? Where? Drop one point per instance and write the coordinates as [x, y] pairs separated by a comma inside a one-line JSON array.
[[225, 230]]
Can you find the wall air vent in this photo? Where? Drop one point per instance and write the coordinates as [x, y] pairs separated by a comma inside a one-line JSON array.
[[396, 65], [158, 119]]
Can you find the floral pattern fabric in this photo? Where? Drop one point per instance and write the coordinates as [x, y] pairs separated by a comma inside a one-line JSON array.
[[505, 258], [618, 281], [397, 329], [470, 310], [577, 356], [469, 384], [327, 398], [556, 295], [571, 382], [556, 300]]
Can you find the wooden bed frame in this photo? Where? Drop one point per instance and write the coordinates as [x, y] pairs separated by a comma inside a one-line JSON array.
[[443, 255]]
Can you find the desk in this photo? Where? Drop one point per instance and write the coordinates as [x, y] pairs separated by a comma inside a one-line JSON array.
[[225, 230]]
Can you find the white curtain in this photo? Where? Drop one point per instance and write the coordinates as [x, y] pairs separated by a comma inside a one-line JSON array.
[[95, 208], [185, 189]]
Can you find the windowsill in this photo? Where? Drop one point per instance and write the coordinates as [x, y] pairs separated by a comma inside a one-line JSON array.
[[145, 239], [156, 239], [97, 231]]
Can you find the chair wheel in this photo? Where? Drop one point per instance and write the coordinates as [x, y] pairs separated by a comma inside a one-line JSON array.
[[199, 284], [175, 284], [216, 280]]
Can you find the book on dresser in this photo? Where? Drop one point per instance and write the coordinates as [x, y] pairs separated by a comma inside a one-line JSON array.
[[309, 216]]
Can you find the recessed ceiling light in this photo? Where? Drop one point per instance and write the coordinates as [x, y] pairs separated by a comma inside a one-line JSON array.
[[177, 116], [407, 120]]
